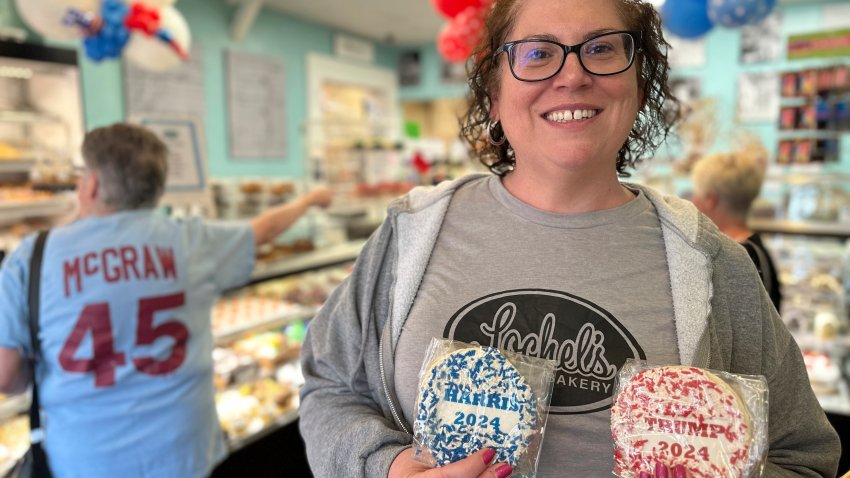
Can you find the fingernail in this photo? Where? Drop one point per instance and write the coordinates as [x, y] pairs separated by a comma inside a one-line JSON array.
[[679, 471], [661, 470], [644, 474], [504, 471], [488, 455]]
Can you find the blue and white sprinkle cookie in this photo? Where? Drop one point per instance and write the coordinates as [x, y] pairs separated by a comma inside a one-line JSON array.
[[474, 398]]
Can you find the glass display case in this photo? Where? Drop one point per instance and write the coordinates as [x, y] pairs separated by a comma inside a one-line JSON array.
[[41, 130]]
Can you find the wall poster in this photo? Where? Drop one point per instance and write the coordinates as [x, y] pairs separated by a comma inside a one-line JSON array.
[[256, 100]]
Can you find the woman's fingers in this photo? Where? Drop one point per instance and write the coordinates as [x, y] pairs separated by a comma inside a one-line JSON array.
[[662, 471], [477, 465]]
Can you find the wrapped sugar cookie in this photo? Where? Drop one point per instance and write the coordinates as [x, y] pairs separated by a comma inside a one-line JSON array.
[[712, 423], [472, 397]]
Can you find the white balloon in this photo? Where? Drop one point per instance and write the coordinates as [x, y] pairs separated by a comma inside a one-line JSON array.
[[45, 16], [151, 53], [157, 3]]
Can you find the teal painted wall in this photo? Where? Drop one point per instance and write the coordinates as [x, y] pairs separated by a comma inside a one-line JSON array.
[[431, 85], [719, 76], [273, 34]]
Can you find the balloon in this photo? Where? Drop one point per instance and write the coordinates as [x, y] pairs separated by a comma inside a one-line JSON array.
[[451, 8], [450, 46], [45, 17], [144, 18], [736, 13], [151, 52], [109, 40], [686, 18], [458, 38]]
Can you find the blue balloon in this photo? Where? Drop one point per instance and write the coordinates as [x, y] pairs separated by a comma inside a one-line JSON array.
[[93, 49], [686, 18], [113, 35], [736, 13]]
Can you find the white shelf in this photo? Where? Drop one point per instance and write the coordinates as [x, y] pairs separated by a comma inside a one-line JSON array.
[[27, 117], [281, 421], [54, 206], [16, 165], [14, 405], [264, 323], [326, 256], [838, 404], [802, 228]]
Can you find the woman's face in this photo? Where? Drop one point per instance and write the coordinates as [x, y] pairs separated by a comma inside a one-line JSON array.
[[531, 112]]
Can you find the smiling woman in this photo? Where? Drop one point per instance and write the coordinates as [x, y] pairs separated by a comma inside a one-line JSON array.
[[565, 98]]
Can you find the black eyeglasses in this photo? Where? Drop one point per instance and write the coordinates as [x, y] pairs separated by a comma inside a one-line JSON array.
[[606, 54]]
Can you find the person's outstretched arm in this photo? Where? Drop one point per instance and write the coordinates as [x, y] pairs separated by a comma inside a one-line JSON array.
[[278, 219]]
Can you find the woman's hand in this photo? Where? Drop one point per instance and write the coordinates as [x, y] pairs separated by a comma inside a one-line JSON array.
[[476, 465], [661, 471]]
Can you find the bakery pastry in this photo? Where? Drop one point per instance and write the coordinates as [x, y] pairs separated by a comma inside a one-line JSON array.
[[681, 415], [474, 398]]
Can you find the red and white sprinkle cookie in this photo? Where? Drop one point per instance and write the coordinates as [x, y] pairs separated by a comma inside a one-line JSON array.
[[680, 415]]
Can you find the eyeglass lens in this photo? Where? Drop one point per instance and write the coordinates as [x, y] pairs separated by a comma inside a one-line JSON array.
[[603, 55]]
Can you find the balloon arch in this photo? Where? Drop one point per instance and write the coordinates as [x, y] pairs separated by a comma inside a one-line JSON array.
[[150, 33], [684, 18]]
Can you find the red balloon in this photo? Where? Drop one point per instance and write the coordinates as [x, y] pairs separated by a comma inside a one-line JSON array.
[[450, 46], [459, 37], [451, 8]]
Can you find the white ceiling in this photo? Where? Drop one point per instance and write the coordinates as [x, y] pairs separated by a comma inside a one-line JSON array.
[[397, 21], [402, 22]]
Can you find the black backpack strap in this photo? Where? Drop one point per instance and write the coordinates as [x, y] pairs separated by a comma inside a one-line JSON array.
[[36, 434], [763, 264]]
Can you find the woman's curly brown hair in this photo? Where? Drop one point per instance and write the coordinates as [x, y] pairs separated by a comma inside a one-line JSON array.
[[658, 113]]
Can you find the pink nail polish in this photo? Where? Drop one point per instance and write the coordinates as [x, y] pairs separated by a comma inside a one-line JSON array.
[[504, 471], [644, 474], [679, 471], [661, 470], [488, 455]]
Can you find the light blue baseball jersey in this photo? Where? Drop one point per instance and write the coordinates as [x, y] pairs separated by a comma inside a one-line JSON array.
[[126, 374]]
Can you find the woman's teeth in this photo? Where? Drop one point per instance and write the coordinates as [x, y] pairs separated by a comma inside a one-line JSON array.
[[564, 116]]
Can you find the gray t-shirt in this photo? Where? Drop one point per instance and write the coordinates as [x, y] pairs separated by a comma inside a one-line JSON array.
[[591, 290]]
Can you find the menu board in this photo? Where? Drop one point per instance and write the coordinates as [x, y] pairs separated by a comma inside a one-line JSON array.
[[178, 92], [256, 97]]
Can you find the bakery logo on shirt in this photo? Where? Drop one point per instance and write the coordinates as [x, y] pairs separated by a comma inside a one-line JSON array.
[[586, 341]]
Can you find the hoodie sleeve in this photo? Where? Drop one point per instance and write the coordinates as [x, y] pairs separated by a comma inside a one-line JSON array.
[[344, 411], [801, 440]]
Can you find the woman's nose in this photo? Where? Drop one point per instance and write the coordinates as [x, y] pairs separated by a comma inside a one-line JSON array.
[[572, 73]]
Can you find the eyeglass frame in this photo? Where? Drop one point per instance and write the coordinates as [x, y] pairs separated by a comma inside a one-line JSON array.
[[507, 48]]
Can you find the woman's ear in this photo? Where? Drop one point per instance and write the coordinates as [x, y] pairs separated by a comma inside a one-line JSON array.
[[494, 107]]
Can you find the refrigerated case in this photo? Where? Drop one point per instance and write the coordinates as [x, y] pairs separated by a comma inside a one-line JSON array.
[[808, 235], [41, 130]]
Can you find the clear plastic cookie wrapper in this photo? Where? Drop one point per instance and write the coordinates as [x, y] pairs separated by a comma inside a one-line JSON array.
[[472, 397], [713, 423]]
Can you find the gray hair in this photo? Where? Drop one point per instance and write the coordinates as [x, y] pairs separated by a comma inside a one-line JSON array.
[[131, 164]]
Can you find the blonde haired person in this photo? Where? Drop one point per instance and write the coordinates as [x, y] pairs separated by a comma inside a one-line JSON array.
[[724, 188]]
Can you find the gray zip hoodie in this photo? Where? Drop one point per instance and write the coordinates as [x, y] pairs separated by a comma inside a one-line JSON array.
[[350, 419]]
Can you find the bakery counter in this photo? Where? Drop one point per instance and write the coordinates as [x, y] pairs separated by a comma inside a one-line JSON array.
[[307, 261]]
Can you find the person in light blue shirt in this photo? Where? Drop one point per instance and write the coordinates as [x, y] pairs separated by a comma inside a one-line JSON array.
[[125, 371]]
